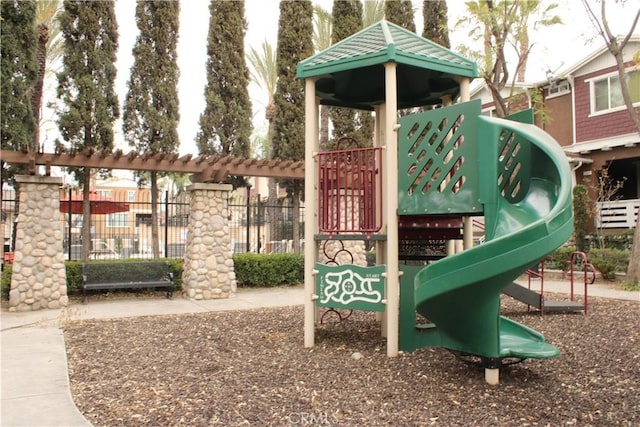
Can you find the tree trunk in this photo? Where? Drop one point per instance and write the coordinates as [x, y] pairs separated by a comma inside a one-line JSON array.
[[155, 241], [36, 96], [86, 216], [271, 210], [324, 127], [633, 270], [296, 222]]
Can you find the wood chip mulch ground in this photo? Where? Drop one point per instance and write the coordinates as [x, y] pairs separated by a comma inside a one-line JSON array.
[[250, 368]]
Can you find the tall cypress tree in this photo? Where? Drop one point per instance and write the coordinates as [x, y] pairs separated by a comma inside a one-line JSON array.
[[19, 72], [86, 86], [400, 12], [347, 20], [295, 43], [225, 124], [151, 108], [18, 76], [436, 27]]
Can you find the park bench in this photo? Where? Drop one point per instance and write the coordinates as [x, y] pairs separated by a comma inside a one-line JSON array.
[[126, 275]]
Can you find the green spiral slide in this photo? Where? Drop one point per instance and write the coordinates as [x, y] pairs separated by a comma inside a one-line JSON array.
[[525, 189]]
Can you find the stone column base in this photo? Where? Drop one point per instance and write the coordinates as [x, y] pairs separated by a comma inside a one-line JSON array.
[[208, 261], [38, 278]]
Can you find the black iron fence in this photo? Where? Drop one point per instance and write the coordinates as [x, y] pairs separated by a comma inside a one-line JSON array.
[[259, 227], [121, 224]]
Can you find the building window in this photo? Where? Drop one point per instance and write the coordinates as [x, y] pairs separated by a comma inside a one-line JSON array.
[[104, 193], [131, 196], [489, 112], [120, 219], [606, 94], [143, 219], [558, 88]]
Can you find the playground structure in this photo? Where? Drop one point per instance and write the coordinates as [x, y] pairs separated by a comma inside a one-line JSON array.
[[414, 193], [538, 301]]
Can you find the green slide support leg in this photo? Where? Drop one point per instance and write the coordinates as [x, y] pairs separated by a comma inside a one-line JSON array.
[[525, 189]]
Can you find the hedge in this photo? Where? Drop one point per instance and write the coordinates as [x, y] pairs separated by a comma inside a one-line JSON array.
[[252, 270], [267, 270]]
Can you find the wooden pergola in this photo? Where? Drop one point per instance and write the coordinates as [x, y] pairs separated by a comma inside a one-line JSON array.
[[205, 168]]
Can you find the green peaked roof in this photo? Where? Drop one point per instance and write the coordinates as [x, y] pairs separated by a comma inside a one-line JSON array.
[[351, 72]]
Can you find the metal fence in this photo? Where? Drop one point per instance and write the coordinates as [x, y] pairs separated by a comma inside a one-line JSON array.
[[121, 224], [258, 227]]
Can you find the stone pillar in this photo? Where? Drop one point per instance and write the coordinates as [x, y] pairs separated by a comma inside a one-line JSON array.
[[39, 278], [208, 264]]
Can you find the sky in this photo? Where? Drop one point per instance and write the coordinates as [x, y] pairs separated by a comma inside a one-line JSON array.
[[555, 49]]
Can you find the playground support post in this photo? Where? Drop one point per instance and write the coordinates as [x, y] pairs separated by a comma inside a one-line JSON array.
[[467, 232], [380, 245], [391, 205], [492, 376], [310, 221]]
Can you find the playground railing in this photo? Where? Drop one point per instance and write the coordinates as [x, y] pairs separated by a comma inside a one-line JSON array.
[[586, 267], [349, 196]]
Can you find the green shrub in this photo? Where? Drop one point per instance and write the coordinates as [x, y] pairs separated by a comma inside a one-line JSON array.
[[5, 281], [258, 270], [606, 261], [622, 240], [630, 286], [609, 261], [266, 270], [580, 216], [176, 266], [74, 276], [559, 258]]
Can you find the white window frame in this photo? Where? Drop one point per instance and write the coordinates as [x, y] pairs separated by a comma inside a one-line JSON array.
[[104, 193], [592, 93], [563, 88], [118, 220], [489, 112], [131, 196]]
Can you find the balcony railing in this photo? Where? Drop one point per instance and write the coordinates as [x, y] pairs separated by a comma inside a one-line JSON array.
[[618, 214]]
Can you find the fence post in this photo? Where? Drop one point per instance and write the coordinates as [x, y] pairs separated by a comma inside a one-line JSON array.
[[166, 223], [248, 218], [69, 223], [259, 244]]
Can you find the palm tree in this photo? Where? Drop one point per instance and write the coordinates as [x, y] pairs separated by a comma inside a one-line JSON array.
[[322, 29], [372, 12], [49, 51], [263, 72]]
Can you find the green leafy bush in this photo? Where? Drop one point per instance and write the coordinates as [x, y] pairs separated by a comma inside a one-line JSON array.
[[74, 276], [558, 259], [608, 261], [5, 281], [176, 267], [257, 270], [580, 216], [630, 286], [622, 240], [266, 270]]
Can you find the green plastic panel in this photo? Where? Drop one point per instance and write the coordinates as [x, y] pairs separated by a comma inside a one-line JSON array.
[[460, 294], [523, 116], [351, 287], [437, 161]]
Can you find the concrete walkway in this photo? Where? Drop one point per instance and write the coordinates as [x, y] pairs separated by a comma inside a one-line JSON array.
[[35, 386]]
